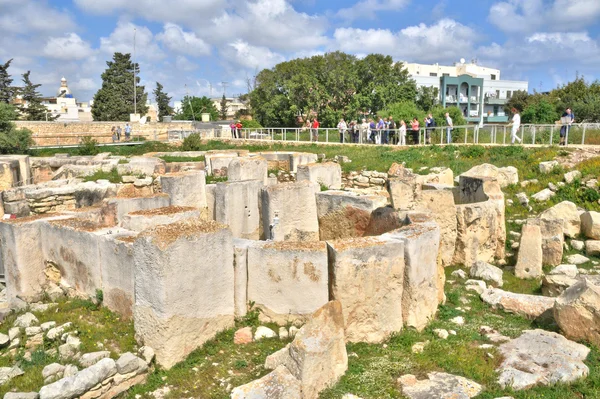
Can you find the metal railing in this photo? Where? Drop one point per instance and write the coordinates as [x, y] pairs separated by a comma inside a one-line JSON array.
[[494, 134]]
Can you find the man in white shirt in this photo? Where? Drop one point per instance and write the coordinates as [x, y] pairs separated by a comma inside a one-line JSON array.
[[516, 124], [449, 128]]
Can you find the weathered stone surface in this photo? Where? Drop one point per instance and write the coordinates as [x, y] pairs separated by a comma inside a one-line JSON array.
[[146, 353], [328, 174], [56, 332], [26, 320], [129, 363], [89, 359], [505, 176], [577, 259], [485, 271], [420, 295], [567, 211], [263, 332], [4, 340], [552, 240], [571, 176], [592, 248], [476, 285], [577, 312], [21, 395], [540, 357], [287, 281], [278, 384], [344, 214], [237, 205], [243, 336], [8, 373], [543, 195], [566, 270], [439, 385], [529, 259], [140, 221], [177, 267], [185, 189], [367, 276], [555, 284], [80, 383], [317, 356], [54, 370], [254, 168], [590, 225], [547, 167], [530, 306], [295, 207]]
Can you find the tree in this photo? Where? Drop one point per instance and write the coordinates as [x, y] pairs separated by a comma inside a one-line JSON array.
[[519, 100], [193, 107], [32, 109], [163, 100], [12, 140], [114, 100], [224, 108], [540, 111], [6, 91], [427, 97]]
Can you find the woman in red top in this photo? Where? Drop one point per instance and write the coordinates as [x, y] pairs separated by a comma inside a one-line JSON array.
[[238, 127], [315, 130], [415, 130]]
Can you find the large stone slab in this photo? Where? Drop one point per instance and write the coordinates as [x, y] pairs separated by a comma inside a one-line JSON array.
[[530, 306], [240, 271], [184, 287], [145, 219], [568, 213], [326, 174], [278, 384], [420, 295], [577, 311], [590, 225], [530, 257], [255, 168], [237, 205], [439, 385], [541, 357], [553, 239], [289, 212], [367, 277], [505, 176], [115, 209], [185, 188], [317, 356], [289, 280], [80, 383], [344, 214]]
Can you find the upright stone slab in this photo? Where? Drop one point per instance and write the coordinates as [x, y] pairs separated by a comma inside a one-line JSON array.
[[186, 188], [530, 257], [254, 168], [420, 295], [590, 225], [184, 287], [553, 240], [327, 174], [288, 281], [240, 269], [343, 214], [289, 212], [566, 211], [237, 205], [114, 209], [367, 277]]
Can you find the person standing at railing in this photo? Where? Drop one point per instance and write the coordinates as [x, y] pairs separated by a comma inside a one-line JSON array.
[[449, 129], [415, 130], [315, 130], [567, 119], [429, 127], [364, 131], [342, 127], [402, 133], [127, 132], [113, 132], [392, 130], [119, 133], [516, 124], [354, 132], [380, 128], [372, 130], [238, 128]]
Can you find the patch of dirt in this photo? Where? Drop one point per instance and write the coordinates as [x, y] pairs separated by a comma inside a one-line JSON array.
[[577, 156], [295, 245], [169, 233], [78, 224], [169, 210], [129, 239], [33, 218]]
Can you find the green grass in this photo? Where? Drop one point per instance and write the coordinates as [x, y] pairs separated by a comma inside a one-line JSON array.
[[125, 150], [171, 159], [112, 176], [95, 325]]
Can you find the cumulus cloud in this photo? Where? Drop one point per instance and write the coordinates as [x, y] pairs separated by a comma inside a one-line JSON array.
[[183, 64], [67, 47], [121, 40], [248, 56], [368, 8], [176, 39], [29, 16]]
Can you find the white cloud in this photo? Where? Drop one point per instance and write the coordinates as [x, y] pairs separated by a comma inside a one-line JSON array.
[[183, 64], [515, 16], [29, 16], [84, 84], [443, 41], [121, 40], [248, 56], [368, 8], [67, 47], [176, 39]]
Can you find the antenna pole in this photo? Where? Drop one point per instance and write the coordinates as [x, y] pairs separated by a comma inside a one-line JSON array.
[[134, 80]]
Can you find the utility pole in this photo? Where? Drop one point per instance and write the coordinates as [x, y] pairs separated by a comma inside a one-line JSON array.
[[224, 84], [134, 82]]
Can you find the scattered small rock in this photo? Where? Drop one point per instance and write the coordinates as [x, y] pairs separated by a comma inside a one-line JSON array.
[[264, 332]]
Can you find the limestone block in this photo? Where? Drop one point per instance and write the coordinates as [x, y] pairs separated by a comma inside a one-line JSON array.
[[210, 200], [530, 257], [22, 257], [278, 384], [288, 281], [9, 174], [566, 211], [439, 385], [142, 166], [186, 188], [590, 225], [237, 205], [144, 219], [117, 265], [505, 176], [255, 168], [240, 270], [592, 247], [548, 167], [317, 356], [439, 175], [80, 383], [553, 240], [295, 207], [116, 208], [217, 163], [24, 175], [403, 189], [328, 174], [420, 294], [577, 311], [184, 287], [530, 306], [344, 214], [555, 284], [487, 272], [367, 277]]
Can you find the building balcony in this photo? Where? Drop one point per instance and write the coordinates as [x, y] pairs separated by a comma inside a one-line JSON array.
[[495, 101], [496, 119]]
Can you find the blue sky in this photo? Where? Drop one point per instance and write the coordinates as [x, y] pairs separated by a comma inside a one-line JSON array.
[[191, 45]]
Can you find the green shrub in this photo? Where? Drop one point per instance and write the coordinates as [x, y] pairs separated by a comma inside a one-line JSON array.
[[251, 124], [193, 142], [88, 146]]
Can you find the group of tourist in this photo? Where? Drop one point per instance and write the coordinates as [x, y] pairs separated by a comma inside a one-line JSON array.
[[566, 120], [236, 130], [116, 133], [386, 130]]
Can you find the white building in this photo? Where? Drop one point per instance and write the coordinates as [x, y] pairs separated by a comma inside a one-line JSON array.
[[233, 106], [66, 107], [478, 91]]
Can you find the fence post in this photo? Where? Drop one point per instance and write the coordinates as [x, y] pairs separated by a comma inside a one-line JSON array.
[[534, 131], [567, 136], [551, 133], [583, 135], [466, 134]]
